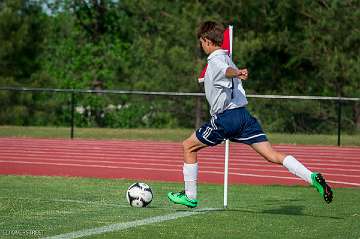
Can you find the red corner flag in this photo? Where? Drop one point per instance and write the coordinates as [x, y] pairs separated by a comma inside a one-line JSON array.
[[226, 45]]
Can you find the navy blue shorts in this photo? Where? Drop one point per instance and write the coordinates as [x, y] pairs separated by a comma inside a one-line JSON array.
[[237, 125]]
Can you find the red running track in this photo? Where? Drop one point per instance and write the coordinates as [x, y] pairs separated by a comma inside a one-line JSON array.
[[146, 160]]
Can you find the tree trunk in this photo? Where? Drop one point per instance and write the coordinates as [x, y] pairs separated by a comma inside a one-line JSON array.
[[198, 112], [357, 115]]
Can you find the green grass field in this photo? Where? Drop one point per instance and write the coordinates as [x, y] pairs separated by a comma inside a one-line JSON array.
[[165, 135], [36, 207]]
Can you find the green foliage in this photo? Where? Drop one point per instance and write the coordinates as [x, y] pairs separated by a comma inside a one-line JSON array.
[[290, 47], [123, 112], [21, 37]]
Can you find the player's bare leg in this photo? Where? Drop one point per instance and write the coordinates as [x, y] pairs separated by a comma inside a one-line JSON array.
[[295, 167], [265, 150], [190, 170], [191, 146]]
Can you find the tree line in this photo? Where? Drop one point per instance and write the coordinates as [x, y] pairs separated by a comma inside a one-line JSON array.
[[300, 47]]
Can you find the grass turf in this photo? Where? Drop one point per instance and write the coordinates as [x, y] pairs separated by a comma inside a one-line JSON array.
[[175, 135], [32, 207]]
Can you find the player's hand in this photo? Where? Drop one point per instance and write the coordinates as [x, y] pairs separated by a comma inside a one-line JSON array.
[[243, 74]]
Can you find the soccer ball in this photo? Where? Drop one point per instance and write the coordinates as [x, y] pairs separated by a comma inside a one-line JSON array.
[[139, 195]]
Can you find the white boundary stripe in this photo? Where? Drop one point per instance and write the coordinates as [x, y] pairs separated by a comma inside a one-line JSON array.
[[127, 225], [254, 136], [213, 123], [133, 166], [254, 162], [340, 182], [161, 169], [206, 134]]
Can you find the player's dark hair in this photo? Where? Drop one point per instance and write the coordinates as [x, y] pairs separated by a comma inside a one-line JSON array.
[[212, 31]]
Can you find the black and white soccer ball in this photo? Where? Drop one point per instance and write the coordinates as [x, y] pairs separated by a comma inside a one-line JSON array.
[[139, 195]]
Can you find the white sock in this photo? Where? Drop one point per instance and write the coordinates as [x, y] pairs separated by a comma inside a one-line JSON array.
[[297, 168], [190, 172]]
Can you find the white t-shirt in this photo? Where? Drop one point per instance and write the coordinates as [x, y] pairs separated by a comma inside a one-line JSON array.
[[222, 93]]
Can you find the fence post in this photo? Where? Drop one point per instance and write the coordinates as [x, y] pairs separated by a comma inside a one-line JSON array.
[[339, 121], [198, 109], [72, 114]]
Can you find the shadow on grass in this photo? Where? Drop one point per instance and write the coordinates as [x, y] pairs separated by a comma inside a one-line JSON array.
[[295, 211], [289, 210]]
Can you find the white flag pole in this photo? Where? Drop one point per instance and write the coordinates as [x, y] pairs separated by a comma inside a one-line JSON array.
[[227, 142], [226, 173]]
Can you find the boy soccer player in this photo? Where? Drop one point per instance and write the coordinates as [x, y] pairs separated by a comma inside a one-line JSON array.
[[230, 120]]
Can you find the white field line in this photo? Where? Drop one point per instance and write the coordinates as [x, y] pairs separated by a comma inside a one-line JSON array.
[[291, 178], [166, 149], [282, 171], [156, 156], [164, 153], [127, 225], [105, 157], [261, 163], [144, 143], [140, 145], [159, 169], [204, 165], [341, 182]]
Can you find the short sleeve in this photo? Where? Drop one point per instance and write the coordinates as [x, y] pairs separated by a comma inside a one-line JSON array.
[[218, 66]]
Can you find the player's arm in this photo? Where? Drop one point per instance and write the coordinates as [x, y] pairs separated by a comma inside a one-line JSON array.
[[232, 72]]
